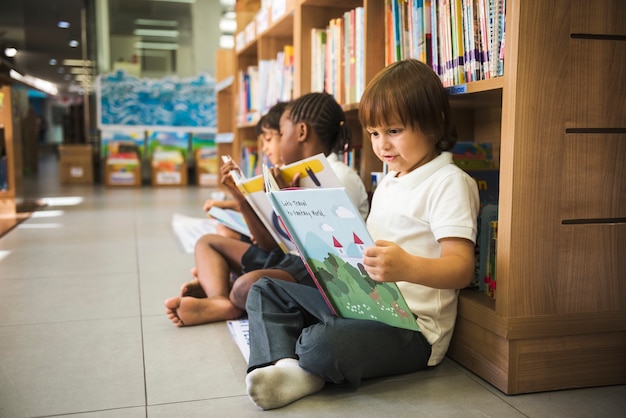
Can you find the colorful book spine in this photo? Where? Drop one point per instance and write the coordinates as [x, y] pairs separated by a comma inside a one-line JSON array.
[[490, 275]]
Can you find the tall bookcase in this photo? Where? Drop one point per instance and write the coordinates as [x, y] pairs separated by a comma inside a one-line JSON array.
[[11, 149], [225, 102], [559, 319], [557, 123]]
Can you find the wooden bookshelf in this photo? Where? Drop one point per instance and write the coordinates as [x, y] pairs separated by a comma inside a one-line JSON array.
[[225, 102], [10, 123], [559, 318], [557, 124]]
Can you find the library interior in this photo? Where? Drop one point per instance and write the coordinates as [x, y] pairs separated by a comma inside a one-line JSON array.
[[116, 116]]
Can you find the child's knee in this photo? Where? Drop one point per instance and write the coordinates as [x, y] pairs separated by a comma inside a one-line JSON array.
[[239, 292]]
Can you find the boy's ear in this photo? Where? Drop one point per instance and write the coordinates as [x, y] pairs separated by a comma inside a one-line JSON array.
[[303, 131]]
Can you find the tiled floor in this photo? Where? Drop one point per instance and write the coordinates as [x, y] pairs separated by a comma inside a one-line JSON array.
[[83, 330]]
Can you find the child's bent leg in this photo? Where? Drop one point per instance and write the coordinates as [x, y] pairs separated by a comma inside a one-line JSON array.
[[241, 286], [278, 311], [361, 349], [215, 257], [276, 321]]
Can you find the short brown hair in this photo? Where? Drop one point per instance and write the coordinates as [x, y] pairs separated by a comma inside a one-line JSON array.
[[411, 93]]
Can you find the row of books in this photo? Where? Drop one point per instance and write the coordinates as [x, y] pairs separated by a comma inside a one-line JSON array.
[[263, 85], [337, 54], [463, 40], [4, 174], [249, 161], [351, 157], [478, 161]]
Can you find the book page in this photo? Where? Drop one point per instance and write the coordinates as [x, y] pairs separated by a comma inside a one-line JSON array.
[[331, 236]]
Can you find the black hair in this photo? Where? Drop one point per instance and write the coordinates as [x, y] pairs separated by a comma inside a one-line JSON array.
[[271, 120], [258, 129], [322, 113]]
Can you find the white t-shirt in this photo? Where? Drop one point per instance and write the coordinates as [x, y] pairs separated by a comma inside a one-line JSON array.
[[352, 182], [434, 201]]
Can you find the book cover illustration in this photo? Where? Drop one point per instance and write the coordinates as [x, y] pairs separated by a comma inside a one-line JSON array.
[[231, 218], [331, 237], [315, 172]]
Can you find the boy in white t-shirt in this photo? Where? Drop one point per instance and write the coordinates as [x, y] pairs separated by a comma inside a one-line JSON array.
[[423, 220]]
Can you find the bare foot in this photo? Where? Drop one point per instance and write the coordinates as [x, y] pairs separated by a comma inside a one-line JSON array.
[[193, 288], [186, 311]]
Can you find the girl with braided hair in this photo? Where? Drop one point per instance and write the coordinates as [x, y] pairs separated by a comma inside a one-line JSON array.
[[312, 124]]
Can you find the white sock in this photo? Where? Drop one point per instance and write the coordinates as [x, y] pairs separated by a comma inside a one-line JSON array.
[[281, 384]]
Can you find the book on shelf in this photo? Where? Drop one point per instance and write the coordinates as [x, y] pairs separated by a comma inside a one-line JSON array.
[[477, 160], [230, 218], [249, 161], [462, 40], [330, 237], [491, 256], [315, 172], [488, 215]]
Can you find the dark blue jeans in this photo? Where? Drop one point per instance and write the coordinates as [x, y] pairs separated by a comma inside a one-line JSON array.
[[291, 320]]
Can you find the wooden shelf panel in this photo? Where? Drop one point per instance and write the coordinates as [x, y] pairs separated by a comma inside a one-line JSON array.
[[555, 305]]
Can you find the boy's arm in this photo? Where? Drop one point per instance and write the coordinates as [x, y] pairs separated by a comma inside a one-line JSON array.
[[260, 235], [454, 269]]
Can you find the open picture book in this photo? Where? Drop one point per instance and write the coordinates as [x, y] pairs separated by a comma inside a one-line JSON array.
[[315, 172], [231, 218], [330, 237]]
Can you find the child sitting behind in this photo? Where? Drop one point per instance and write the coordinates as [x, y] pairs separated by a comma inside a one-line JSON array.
[[267, 132], [312, 124], [423, 220]]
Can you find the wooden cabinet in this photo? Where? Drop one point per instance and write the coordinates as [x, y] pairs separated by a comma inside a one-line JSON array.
[[557, 123], [10, 149], [559, 319], [225, 102]]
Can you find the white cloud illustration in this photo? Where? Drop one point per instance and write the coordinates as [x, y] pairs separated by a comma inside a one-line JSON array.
[[344, 212], [326, 228]]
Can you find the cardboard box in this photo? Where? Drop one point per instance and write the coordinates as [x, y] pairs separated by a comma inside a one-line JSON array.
[[176, 176], [168, 169], [122, 173], [76, 164], [207, 169]]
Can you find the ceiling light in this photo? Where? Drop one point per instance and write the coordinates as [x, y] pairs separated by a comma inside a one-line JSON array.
[[63, 24], [77, 63], [156, 32], [178, 1], [10, 52], [228, 25], [156, 22], [39, 84], [80, 70], [227, 41], [152, 53], [53, 61], [155, 45], [73, 43]]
